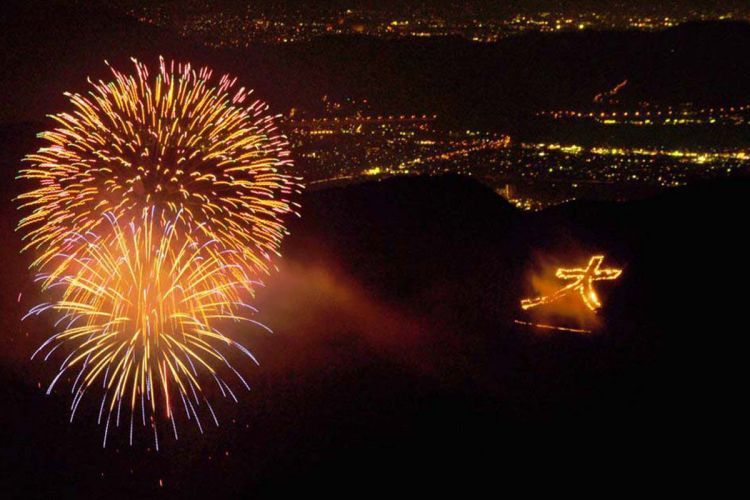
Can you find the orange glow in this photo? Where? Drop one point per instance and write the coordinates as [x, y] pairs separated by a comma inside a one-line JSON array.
[[544, 326], [582, 281]]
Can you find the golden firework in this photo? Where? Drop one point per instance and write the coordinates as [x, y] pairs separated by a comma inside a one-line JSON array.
[[159, 208]]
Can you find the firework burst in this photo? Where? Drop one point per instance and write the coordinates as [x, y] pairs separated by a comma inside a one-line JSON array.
[[159, 208]]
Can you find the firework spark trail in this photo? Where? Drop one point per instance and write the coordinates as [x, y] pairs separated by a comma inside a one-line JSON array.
[[160, 207]]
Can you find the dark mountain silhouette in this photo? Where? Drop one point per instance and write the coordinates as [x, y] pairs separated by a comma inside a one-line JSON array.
[[395, 364]]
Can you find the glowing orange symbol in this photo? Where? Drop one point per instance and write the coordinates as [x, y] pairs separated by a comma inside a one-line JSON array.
[[583, 282]]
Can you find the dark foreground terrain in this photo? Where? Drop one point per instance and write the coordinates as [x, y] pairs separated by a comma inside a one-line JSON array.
[[396, 368]]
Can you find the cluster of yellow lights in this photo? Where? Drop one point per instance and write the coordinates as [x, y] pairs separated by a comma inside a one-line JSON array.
[[159, 210], [581, 282], [696, 157]]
